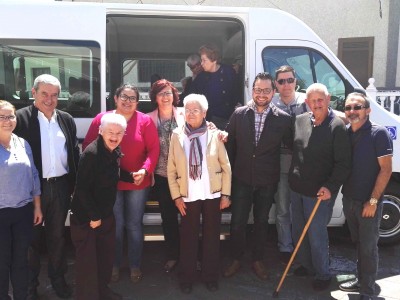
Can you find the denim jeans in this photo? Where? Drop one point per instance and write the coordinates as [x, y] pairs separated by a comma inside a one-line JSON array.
[[282, 207], [365, 233], [243, 198], [128, 211], [313, 253]]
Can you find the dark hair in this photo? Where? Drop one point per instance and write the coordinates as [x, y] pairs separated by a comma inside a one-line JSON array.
[[158, 86], [127, 86], [284, 69], [264, 76], [211, 51], [362, 95]]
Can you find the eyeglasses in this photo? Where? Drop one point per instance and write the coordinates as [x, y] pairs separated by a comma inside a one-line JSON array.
[[283, 81], [195, 111], [126, 97], [164, 94], [7, 118], [264, 91], [355, 107], [192, 67]]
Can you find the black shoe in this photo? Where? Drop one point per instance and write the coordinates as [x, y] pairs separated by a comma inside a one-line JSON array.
[[170, 265], [32, 294], [284, 257], [321, 284], [302, 272], [212, 286], [110, 295], [61, 288], [350, 286], [186, 288]]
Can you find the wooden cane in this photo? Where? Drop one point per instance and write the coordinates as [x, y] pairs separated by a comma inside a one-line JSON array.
[[276, 293]]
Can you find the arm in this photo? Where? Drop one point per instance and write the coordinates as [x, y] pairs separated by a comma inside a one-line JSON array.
[[37, 211], [226, 176]]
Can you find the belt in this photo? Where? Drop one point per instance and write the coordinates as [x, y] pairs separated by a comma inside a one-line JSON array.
[[54, 179]]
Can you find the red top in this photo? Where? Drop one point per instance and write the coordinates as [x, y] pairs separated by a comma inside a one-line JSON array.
[[140, 147]]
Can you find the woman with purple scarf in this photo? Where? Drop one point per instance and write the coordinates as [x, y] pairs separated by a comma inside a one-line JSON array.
[[199, 178]]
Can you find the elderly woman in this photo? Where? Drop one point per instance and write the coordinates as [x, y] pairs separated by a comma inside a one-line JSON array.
[[141, 148], [199, 178], [166, 117], [19, 205], [92, 218]]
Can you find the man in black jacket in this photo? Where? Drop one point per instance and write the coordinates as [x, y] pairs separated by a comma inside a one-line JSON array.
[[256, 132], [321, 162], [51, 134]]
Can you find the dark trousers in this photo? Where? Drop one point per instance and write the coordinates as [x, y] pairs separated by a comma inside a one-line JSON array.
[[15, 236], [189, 241], [55, 201], [95, 251], [365, 233], [243, 198], [169, 216]]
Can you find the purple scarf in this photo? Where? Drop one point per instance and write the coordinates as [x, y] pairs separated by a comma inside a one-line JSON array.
[[195, 152]]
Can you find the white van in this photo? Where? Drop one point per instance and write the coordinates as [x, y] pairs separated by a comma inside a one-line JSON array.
[[94, 47]]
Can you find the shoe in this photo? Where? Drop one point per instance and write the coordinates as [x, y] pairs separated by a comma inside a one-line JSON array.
[[33, 294], [212, 286], [365, 297], [260, 270], [302, 272], [284, 257], [115, 274], [170, 266], [186, 288], [110, 295], [136, 275], [321, 284], [61, 288], [232, 268], [350, 286]]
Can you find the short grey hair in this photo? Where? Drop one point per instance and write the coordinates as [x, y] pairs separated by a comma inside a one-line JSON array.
[[317, 87], [193, 59], [46, 79], [196, 98], [111, 118]]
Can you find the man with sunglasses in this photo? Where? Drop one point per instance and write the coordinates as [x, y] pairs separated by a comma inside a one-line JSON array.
[[292, 103], [256, 132], [363, 191]]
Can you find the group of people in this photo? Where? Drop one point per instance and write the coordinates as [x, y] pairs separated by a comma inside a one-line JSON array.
[[289, 149]]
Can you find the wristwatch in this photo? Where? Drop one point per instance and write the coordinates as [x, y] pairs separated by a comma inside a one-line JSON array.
[[373, 201]]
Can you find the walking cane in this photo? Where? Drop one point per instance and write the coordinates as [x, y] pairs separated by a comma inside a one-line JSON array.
[[276, 293]]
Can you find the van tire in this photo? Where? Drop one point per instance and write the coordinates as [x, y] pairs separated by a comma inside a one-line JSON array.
[[389, 230]]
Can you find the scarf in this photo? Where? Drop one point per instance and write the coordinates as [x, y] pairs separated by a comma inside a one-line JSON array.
[[195, 151]]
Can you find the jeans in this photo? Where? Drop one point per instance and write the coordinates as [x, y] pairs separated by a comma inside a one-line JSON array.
[[128, 211], [313, 253], [282, 203], [365, 233], [243, 197], [15, 237]]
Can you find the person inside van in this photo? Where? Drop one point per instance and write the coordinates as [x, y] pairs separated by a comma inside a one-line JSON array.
[[193, 62]]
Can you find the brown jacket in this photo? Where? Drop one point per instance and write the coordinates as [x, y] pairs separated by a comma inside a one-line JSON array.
[[219, 168]]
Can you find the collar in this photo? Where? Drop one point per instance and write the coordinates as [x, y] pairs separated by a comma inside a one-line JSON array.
[[53, 118], [327, 120], [367, 125]]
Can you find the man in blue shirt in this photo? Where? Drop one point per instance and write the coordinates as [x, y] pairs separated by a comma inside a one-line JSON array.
[[363, 191]]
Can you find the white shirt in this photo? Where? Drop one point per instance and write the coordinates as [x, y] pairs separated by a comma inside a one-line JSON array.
[[54, 147], [199, 189]]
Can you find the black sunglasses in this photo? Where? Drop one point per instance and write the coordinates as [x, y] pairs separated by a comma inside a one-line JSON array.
[[355, 107], [288, 80]]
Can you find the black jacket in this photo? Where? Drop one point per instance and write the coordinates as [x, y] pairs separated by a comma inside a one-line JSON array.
[[258, 166], [28, 128]]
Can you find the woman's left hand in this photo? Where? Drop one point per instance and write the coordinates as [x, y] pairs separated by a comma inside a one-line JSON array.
[[224, 202], [180, 204], [223, 136], [138, 176]]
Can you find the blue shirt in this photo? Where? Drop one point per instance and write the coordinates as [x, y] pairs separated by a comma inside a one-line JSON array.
[[369, 143], [19, 178]]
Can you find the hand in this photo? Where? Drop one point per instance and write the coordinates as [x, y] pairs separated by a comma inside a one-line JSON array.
[[95, 224], [223, 136], [224, 202], [368, 210], [37, 215], [211, 125], [324, 194], [138, 176], [180, 204]]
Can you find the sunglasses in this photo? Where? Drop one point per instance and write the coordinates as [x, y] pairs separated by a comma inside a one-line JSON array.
[[355, 107], [283, 81]]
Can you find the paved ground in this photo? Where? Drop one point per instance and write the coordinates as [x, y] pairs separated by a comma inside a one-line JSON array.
[[245, 285]]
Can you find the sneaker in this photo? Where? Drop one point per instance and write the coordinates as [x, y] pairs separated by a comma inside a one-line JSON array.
[[232, 268], [302, 272], [350, 286], [115, 274], [321, 284], [136, 275]]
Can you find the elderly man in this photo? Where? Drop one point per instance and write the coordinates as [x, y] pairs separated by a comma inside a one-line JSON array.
[[292, 103], [363, 191], [321, 162], [52, 136], [256, 132]]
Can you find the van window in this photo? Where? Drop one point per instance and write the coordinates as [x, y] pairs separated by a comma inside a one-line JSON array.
[[75, 63], [310, 67]]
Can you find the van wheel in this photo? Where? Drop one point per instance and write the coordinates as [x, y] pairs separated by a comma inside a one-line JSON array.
[[389, 230]]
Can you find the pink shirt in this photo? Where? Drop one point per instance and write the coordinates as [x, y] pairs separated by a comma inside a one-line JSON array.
[[140, 146]]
